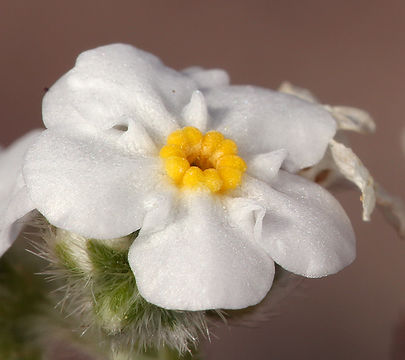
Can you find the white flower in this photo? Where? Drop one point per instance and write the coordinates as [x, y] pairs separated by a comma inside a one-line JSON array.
[[96, 171], [14, 199]]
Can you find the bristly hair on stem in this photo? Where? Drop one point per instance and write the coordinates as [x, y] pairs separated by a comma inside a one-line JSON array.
[[97, 288]]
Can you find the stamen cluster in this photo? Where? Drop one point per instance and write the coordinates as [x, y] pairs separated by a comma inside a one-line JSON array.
[[209, 161]]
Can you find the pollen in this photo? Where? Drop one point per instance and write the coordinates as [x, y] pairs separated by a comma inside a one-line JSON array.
[[176, 167], [194, 177], [171, 150], [202, 161]]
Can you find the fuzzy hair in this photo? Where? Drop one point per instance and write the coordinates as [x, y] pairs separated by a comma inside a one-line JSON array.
[[96, 288]]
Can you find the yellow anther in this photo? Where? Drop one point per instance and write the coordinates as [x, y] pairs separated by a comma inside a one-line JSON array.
[[216, 166], [194, 136], [176, 167], [171, 150], [231, 177], [193, 177], [232, 161], [178, 138], [226, 147], [212, 180], [210, 142]]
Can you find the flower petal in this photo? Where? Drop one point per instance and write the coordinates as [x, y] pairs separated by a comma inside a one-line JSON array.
[[353, 170], [16, 215], [195, 113], [304, 94], [305, 229], [261, 120], [202, 260], [135, 138], [207, 78], [116, 82], [266, 166], [82, 183], [352, 119], [14, 200]]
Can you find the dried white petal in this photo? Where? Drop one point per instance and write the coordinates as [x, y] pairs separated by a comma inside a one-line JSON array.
[[393, 208], [353, 170], [304, 94], [352, 119]]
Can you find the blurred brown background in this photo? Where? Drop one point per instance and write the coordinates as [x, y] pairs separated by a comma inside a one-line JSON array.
[[346, 52]]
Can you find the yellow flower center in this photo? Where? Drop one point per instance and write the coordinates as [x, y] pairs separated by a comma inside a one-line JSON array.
[[195, 160]]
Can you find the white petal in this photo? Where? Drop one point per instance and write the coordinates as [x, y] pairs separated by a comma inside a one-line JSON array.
[[16, 215], [195, 113], [352, 119], [136, 139], [305, 229], [304, 94], [114, 82], [84, 184], [247, 215], [261, 120], [158, 208], [207, 78], [353, 170], [202, 260], [266, 166], [11, 160], [14, 200]]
